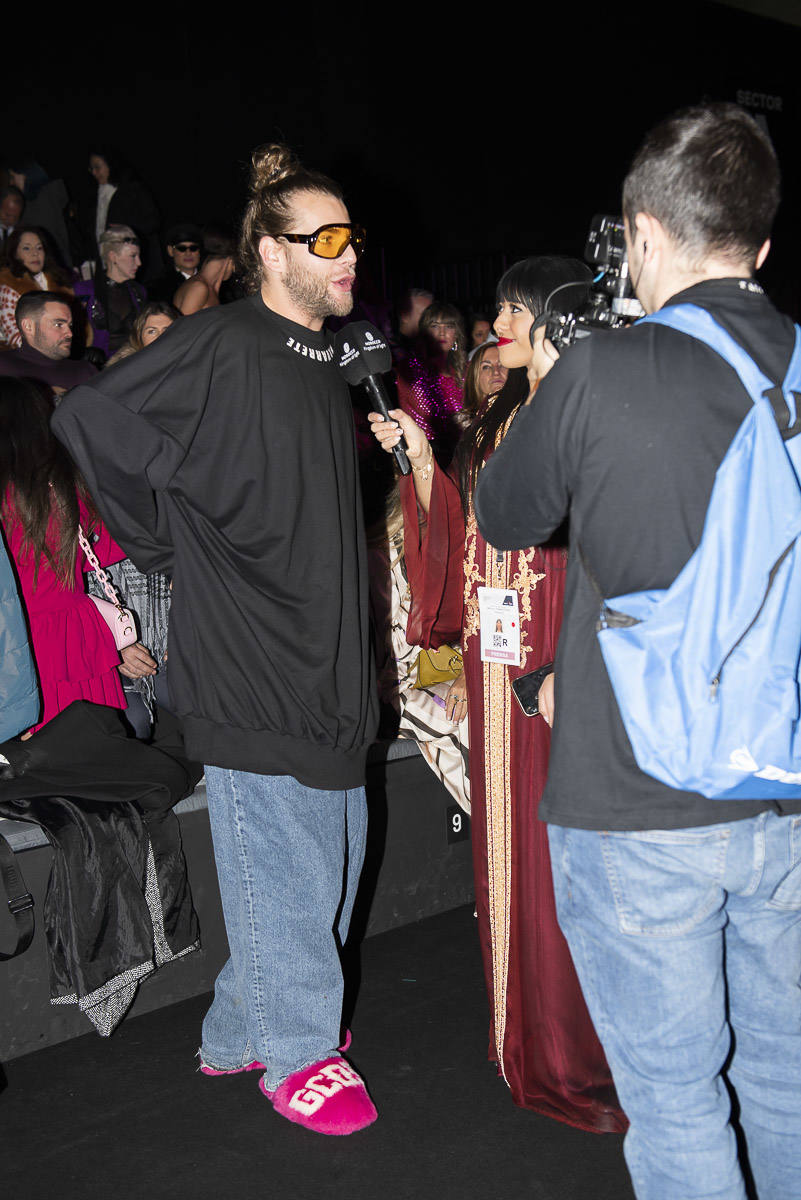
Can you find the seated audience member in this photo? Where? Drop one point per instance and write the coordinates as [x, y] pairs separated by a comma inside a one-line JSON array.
[[44, 320], [411, 307], [121, 199], [217, 240], [46, 201], [483, 379], [12, 203], [430, 380], [203, 290], [184, 248], [154, 318], [480, 332], [114, 298], [31, 266], [44, 502]]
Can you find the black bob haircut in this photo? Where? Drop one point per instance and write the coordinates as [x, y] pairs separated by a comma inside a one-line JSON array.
[[560, 283], [710, 176]]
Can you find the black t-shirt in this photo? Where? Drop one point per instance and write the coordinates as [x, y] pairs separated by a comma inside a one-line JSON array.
[[626, 433]]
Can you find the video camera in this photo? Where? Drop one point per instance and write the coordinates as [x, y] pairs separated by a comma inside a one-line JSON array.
[[611, 303]]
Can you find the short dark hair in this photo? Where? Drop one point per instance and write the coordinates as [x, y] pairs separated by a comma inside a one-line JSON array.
[[408, 298], [11, 190], [32, 304], [710, 176]]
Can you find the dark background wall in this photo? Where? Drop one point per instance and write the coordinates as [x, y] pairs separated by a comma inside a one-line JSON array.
[[453, 141]]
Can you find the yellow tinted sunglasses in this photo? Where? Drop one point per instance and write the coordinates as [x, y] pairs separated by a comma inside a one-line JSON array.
[[330, 241]]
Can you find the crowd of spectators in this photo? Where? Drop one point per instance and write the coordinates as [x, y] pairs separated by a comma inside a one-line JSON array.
[[108, 253]]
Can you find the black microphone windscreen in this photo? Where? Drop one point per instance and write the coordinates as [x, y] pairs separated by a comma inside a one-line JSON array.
[[362, 350]]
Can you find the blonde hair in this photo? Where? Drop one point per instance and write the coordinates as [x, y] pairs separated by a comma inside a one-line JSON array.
[[276, 177], [112, 238], [473, 400]]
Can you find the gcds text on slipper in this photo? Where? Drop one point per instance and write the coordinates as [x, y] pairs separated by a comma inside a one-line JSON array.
[[328, 1097]]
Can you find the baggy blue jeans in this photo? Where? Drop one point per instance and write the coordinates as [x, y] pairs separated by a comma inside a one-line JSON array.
[[288, 862], [687, 944]]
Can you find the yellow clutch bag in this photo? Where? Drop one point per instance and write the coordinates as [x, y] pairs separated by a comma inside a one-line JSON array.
[[438, 666]]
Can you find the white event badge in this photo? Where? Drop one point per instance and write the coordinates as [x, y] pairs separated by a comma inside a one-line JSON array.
[[500, 625]]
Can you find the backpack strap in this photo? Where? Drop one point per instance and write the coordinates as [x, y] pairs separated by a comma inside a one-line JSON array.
[[18, 898], [789, 420], [700, 324]]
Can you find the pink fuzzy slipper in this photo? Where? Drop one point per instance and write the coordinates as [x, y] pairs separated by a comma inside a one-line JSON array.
[[205, 1069], [327, 1097]]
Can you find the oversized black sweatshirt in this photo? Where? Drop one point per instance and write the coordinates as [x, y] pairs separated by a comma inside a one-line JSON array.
[[224, 454], [626, 434]]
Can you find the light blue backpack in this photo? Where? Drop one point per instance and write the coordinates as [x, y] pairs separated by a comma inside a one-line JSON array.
[[706, 672]]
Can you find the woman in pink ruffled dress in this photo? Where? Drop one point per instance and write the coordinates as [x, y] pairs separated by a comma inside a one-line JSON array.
[[43, 500]]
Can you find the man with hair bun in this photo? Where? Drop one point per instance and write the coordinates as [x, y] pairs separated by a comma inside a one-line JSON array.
[[683, 914], [225, 456]]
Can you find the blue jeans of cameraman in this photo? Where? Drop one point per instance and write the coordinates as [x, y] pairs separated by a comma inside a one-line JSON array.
[[288, 862], [687, 944]]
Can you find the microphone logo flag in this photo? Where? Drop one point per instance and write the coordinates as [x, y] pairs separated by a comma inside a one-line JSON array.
[[347, 355]]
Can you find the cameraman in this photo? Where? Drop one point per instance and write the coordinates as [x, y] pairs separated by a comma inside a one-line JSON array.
[[683, 914]]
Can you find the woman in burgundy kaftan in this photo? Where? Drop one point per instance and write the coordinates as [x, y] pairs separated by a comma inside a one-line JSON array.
[[541, 1035]]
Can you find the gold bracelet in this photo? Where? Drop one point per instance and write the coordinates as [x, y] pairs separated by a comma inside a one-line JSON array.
[[425, 472]]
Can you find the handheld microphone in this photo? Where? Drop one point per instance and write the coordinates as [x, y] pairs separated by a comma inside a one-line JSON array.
[[364, 356]]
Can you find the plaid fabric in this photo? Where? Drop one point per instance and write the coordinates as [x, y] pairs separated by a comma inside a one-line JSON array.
[[148, 597]]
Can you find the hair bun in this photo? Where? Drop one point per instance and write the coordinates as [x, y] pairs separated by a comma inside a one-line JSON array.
[[271, 164]]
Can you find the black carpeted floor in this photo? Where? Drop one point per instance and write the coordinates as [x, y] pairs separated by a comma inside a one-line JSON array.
[[132, 1117]]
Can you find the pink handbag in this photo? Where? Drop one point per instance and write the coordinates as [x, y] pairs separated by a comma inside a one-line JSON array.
[[119, 620]]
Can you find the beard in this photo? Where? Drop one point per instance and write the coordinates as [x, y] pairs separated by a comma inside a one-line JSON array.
[[52, 350], [311, 294]]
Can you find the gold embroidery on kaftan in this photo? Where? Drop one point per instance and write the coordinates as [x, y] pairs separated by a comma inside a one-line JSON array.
[[497, 735], [525, 582], [472, 575]]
